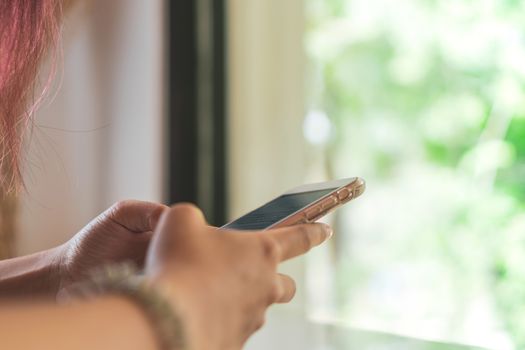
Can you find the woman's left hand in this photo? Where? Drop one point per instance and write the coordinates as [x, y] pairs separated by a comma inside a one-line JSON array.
[[121, 233]]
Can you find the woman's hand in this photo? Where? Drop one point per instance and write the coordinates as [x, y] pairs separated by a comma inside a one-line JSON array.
[[121, 233], [222, 282]]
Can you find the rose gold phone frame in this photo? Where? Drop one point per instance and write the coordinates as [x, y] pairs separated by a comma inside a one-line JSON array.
[[344, 190]]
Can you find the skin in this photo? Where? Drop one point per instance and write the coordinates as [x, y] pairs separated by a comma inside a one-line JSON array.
[[220, 283], [121, 233]]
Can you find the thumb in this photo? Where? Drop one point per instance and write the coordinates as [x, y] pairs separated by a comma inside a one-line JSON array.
[[135, 216], [174, 235], [183, 217]]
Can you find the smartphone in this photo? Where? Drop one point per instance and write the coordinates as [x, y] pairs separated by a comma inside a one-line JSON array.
[[303, 204]]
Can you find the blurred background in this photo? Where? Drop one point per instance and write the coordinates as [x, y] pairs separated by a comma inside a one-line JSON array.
[[228, 103]]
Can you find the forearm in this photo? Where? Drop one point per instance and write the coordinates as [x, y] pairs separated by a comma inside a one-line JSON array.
[[111, 322], [35, 274]]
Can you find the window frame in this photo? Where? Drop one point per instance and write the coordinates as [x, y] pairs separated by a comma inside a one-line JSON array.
[[196, 106]]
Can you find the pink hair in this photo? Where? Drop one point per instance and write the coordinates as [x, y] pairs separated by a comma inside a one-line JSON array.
[[27, 29]]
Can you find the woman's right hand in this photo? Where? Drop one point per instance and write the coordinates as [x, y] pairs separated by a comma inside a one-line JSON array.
[[222, 282]]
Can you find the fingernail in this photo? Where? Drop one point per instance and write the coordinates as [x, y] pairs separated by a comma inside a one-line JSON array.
[[328, 231]]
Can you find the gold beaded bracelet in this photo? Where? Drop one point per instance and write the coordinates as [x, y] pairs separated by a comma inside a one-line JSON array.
[[124, 279]]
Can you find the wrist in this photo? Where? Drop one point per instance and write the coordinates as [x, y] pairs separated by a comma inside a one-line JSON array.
[[57, 269], [184, 302], [122, 279], [35, 274], [60, 267], [206, 327], [47, 271]]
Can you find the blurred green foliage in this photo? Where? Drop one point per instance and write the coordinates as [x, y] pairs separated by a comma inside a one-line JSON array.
[[427, 99]]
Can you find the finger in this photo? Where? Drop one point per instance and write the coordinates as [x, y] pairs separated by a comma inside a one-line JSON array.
[[176, 225], [183, 215], [286, 287], [297, 240], [138, 254], [136, 216]]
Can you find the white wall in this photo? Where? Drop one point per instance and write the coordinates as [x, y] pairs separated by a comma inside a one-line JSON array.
[[267, 150], [266, 99], [100, 139]]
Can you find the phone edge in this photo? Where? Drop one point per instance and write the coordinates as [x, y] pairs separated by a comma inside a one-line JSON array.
[[355, 189]]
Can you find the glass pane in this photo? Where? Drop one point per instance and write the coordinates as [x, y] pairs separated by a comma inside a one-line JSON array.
[[425, 100]]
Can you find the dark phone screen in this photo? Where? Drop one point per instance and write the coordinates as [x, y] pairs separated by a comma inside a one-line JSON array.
[[276, 210]]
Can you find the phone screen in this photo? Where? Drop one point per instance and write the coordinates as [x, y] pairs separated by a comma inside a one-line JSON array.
[[276, 210]]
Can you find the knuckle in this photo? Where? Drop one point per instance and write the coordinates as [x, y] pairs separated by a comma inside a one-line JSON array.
[[188, 210], [270, 248], [185, 206], [259, 323]]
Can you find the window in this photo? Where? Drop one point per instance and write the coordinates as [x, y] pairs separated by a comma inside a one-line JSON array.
[[425, 100]]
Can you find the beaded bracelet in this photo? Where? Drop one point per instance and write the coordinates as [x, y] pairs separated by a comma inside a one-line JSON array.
[[123, 279]]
